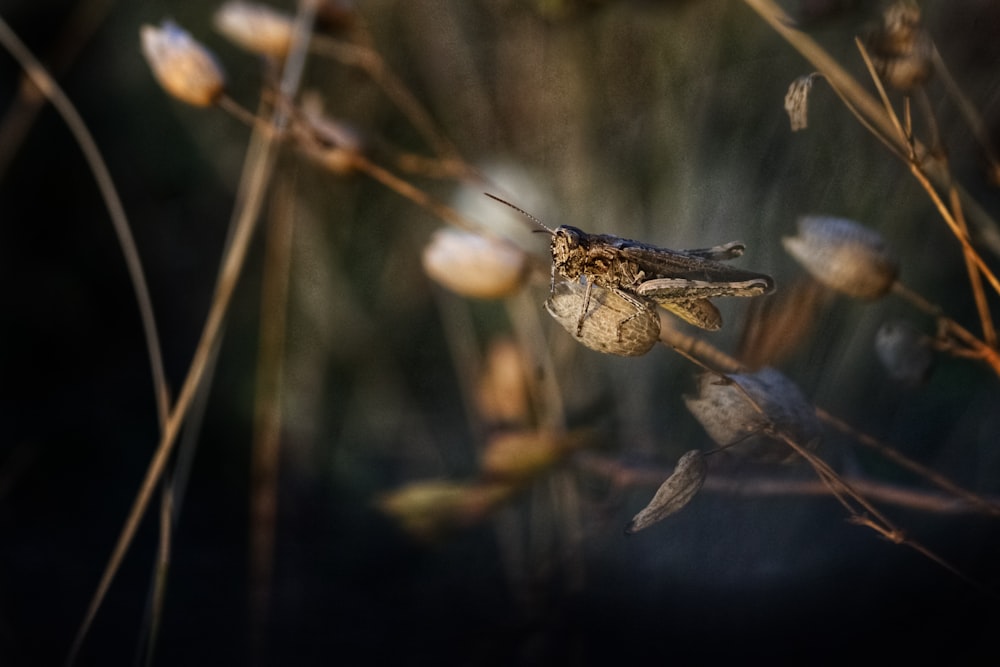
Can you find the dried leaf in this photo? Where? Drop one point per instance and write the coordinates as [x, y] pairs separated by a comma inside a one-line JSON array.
[[674, 493], [797, 102]]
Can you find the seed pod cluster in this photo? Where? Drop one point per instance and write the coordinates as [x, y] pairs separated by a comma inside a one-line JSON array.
[[844, 256], [729, 418], [611, 324]]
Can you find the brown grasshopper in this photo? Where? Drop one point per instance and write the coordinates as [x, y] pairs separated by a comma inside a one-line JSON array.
[[682, 281]]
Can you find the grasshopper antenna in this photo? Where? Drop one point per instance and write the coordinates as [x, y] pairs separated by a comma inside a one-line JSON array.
[[544, 227]]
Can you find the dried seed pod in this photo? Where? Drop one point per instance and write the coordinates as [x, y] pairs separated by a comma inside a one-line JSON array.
[[797, 102], [182, 66], [611, 325], [901, 49], [432, 508], [674, 494], [474, 265], [844, 256], [904, 352], [728, 417], [503, 395], [256, 28], [520, 455]]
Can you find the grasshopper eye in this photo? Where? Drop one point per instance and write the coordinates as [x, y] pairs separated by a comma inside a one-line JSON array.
[[569, 235]]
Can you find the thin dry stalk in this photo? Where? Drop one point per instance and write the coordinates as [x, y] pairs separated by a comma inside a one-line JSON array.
[[968, 112], [973, 347], [623, 475], [915, 162], [877, 120], [81, 25], [975, 277], [266, 445], [62, 104], [259, 165], [890, 453], [371, 62]]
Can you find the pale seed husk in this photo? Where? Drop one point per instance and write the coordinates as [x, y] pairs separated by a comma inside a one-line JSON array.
[[844, 256], [474, 265], [732, 421], [183, 67], [612, 324], [257, 28]]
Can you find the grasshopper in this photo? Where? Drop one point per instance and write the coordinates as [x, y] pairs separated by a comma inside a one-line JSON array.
[[682, 281]]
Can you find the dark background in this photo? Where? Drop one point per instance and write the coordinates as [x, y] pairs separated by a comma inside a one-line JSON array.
[[652, 120]]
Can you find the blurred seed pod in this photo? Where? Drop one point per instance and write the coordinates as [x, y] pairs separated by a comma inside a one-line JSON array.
[[901, 49], [257, 28], [797, 102], [431, 509], [473, 265], [844, 256], [674, 494], [607, 313], [520, 455], [183, 67], [904, 351], [728, 417], [503, 395]]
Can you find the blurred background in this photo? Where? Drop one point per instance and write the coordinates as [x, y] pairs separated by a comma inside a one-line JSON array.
[[660, 121]]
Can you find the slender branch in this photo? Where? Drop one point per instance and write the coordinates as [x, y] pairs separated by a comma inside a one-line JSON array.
[[761, 486]]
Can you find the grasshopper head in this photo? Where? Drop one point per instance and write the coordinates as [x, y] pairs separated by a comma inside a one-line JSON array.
[[566, 241]]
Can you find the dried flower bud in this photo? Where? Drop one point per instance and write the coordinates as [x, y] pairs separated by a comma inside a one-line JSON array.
[[674, 494], [256, 28], [904, 352], [182, 66], [474, 265], [728, 417], [797, 102], [503, 393], [901, 49], [430, 509], [611, 325], [518, 456], [843, 255]]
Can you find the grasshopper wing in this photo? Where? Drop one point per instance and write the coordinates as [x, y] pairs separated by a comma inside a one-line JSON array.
[[699, 312]]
